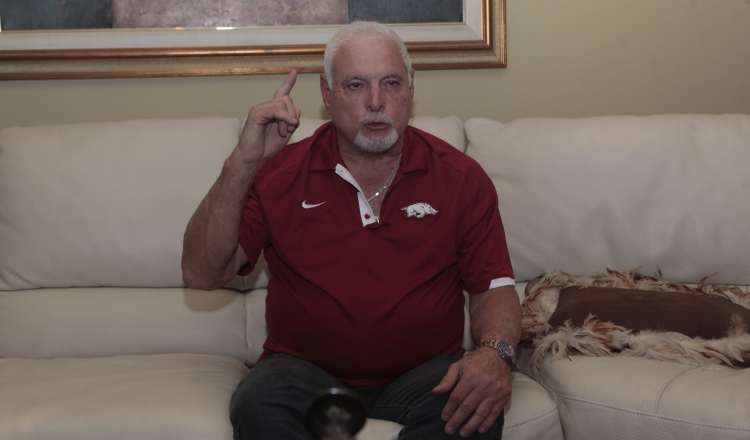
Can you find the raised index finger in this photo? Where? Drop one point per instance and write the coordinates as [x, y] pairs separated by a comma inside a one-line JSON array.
[[286, 87]]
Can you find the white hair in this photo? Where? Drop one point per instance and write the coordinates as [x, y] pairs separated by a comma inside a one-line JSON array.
[[356, 29]]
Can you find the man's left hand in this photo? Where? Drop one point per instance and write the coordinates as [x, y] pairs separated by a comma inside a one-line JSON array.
[[481, 385]]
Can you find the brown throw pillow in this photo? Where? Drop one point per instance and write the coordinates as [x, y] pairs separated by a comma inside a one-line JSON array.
[[635, 315], [701, 316]]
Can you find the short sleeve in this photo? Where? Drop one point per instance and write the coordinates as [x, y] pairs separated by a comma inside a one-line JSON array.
[[484, 260], [254, 235]]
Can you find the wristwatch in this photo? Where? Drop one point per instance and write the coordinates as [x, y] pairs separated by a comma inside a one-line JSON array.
[[504, 349]]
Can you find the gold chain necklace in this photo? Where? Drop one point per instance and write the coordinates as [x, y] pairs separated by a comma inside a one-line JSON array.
[[388, 183]]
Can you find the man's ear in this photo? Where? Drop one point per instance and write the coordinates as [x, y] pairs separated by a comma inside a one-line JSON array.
[[325, 91]]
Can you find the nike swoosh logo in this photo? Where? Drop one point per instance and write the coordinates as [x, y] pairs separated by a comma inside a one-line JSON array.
[[306, 206]]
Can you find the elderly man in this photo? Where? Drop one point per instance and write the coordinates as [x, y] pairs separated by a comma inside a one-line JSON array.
[[372, 230]]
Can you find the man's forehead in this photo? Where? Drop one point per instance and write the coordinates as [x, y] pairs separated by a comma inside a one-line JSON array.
[[363, 58]]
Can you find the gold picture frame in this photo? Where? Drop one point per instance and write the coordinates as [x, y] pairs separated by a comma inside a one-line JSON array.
[[479, 42]]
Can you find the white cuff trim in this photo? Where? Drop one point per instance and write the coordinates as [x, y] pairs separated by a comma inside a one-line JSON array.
[[500, 282]]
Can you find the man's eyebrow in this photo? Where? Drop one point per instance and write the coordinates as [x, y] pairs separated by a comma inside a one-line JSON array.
[[361, 78], [354, 78], [393, 75]]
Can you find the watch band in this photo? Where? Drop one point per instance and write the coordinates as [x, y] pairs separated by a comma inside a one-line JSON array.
[[503, 348]]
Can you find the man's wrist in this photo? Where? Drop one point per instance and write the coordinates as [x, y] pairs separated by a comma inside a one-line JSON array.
[[238, 169], [500, 362], [504, 349]]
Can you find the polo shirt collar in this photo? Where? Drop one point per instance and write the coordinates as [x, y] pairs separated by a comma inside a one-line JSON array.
[[416, 152]]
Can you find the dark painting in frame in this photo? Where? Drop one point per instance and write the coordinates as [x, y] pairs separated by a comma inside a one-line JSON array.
[[477, 42]]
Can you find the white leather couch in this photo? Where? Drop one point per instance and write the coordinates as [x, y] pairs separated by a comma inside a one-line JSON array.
[[100, 340], [667, 193], [98, 337]]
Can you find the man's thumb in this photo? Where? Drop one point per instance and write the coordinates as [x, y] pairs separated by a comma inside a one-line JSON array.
[[448, 382]]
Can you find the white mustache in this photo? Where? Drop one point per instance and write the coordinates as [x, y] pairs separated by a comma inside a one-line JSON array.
[[379, 118]]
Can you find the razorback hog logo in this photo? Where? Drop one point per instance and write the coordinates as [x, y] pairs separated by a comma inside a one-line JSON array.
[[419, 210]]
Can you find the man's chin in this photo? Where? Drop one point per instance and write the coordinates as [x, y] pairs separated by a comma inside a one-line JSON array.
[[376, 144]]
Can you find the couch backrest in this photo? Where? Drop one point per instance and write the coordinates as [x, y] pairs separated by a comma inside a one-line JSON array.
[[106, 204], [91, 225], [580, 195]]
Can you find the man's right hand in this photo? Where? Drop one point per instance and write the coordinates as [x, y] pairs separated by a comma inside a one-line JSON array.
[[211, 253], [270, 125]]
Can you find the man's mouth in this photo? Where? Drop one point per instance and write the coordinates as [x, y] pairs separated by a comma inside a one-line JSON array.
[[377, 122], [375, 126]]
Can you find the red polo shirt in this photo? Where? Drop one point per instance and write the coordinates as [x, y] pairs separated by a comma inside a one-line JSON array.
[[368, 300]]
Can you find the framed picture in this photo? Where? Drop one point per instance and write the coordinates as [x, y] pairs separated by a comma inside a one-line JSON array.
[[477, 41]]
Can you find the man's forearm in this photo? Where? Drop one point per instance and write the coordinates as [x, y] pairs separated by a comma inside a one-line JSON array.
[[211, 255], [480, 383], [496, 314]]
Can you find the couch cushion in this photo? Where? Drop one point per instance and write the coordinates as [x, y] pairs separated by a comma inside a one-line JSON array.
[[666, 191], [156, 397], [635, 397], [104, 204], [177, 397], [375, 429], [92, 322], [624, 398], [530, 415]]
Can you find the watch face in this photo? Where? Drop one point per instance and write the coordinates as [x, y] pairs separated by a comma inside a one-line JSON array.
[[506, 350]]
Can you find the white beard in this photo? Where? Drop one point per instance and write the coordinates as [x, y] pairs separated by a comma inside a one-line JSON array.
[[379, 144]]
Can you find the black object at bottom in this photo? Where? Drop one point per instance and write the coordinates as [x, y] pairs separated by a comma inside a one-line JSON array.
[[335, 414]]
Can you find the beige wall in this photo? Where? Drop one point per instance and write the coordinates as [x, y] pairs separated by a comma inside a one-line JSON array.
[[566, 58]]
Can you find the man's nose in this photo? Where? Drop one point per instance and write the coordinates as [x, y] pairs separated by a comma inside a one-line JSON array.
[[375, 99]]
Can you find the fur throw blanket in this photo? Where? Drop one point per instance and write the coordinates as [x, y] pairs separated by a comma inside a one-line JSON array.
[[602, 338]]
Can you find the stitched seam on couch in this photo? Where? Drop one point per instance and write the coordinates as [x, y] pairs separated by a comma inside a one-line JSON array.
[[666, 385], [654, 416], [553, 410]]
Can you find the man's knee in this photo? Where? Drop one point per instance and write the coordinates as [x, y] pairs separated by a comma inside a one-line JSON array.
[[275, 394], [250, 399]]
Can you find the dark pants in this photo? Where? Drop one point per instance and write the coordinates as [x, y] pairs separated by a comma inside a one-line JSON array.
[[270, 402]]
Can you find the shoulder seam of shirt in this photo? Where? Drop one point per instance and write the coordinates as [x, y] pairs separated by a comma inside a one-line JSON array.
[[460, 153]]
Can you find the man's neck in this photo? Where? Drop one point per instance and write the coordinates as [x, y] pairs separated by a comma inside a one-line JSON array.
[[371, 170], [366, 159]]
